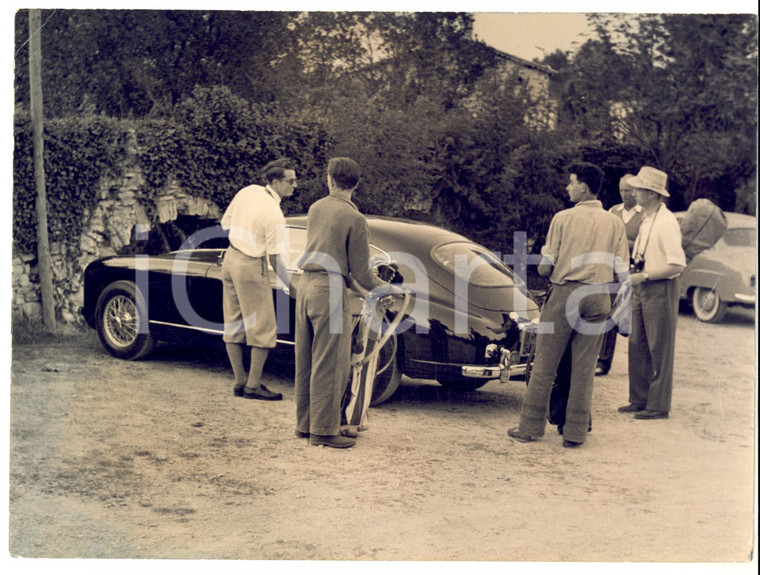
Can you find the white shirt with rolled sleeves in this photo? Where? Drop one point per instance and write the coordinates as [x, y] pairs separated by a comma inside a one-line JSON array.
[[255, 222]]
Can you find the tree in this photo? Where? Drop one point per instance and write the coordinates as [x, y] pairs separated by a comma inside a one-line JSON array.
[[684, 91], [135, 63]]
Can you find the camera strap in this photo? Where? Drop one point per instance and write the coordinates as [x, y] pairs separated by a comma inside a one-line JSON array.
[[639, 252]]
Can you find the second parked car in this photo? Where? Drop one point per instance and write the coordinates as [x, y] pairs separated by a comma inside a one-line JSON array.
[[723, 275]]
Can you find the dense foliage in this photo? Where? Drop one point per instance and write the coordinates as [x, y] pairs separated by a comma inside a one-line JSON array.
[[440, 135], [78, 153]]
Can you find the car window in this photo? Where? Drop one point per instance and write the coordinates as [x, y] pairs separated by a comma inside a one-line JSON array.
[[483, 267], [743, 237]]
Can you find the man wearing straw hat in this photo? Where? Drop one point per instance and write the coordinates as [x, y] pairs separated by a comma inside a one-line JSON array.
[[657, 261]]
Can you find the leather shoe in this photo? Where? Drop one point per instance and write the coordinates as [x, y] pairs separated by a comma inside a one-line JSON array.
[[631, 408], [261, 392], [349, 431], [571, 444], [648, 414], [237, 391], [514, 433], [337, 441], [302, 434], [601, 371]]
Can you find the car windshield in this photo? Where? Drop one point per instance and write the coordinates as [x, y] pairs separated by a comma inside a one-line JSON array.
[[742, 237], [474, 264]]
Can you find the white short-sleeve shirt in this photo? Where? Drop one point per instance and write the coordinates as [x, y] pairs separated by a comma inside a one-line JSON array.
[[255, 221], [659, 240]]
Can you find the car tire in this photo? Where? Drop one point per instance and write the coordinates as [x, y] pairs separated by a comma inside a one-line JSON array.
[[388, 376], [122, 321], [463, 384], [708, 306]]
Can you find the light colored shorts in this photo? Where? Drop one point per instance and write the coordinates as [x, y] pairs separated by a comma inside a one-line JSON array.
[[248, 303]]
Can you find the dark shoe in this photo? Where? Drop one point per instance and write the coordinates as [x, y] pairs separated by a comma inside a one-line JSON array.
[[647, 414], [514, 433], [349, 431], [237, 391], [337, 441], [302, 434], [601, 371], [571, 444], [262, 392], [631, 408]]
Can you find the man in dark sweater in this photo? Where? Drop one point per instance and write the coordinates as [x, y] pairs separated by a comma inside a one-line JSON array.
[[337, 252]]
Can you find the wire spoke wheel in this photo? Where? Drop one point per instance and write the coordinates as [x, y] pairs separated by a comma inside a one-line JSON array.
[[120, 321]]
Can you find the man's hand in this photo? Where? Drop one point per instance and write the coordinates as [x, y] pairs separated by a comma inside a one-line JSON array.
[[638, 278]]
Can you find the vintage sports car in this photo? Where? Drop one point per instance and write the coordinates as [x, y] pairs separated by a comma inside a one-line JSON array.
[[723, 275], [469, 321]]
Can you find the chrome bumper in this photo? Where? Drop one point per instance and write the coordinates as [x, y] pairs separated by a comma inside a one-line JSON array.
[[511, 363], [492, 371], [743, 298]]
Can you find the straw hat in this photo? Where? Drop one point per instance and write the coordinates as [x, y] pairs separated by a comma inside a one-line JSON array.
[[650, 179]]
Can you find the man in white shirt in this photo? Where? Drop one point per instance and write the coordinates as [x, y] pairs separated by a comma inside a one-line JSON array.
[[658, 260], [256, 227]]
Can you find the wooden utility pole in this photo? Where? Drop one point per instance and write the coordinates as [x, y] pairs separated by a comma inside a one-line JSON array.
[[35, 96]]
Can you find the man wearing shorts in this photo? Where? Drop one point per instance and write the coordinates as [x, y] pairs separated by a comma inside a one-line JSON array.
[[256, 226]]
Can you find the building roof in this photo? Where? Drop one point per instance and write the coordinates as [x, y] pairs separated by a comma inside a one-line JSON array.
[[535, 65]]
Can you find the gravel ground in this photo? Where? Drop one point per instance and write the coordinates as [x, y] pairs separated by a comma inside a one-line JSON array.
[[157, 460]]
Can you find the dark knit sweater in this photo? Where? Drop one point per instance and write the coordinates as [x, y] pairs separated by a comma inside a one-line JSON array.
[[337, 241]]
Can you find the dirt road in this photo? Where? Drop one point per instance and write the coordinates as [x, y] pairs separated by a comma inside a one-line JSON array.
[[157, 459]]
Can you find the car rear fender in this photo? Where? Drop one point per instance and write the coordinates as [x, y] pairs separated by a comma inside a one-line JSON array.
[[706, 279]]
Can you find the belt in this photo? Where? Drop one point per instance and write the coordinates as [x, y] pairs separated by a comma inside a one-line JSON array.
[[346, 281], [245, 254]]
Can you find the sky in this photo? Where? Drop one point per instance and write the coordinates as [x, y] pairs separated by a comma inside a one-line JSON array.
[[531, 35]]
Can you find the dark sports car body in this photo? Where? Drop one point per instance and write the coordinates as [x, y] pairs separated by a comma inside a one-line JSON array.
[[468, 322]]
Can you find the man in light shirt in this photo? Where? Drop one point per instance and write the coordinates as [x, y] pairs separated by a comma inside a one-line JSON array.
[[658, 260], [256, 226], [585, 251]]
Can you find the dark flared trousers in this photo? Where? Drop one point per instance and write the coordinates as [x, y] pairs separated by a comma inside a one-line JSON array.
[[580, 325], [323, 352], [652, 343]]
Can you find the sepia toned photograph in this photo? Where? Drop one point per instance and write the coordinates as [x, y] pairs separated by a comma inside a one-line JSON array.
[[383, 287]]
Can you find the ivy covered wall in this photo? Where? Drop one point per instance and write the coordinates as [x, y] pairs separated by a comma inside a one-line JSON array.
[[110, 182]]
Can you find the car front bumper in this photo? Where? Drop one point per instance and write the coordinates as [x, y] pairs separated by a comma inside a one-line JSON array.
[[744, 299], [501, 372]]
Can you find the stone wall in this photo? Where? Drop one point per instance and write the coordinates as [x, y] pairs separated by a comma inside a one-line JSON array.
[[125, 212]]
